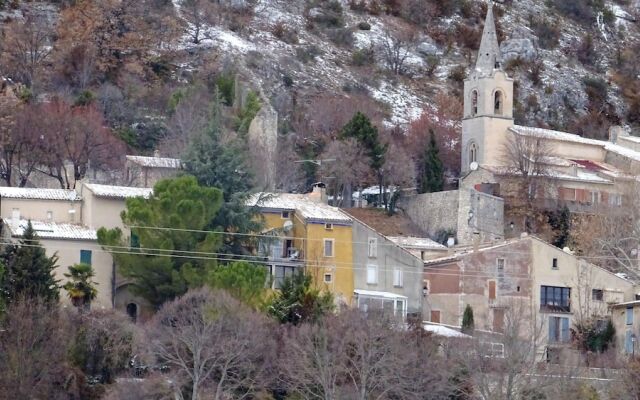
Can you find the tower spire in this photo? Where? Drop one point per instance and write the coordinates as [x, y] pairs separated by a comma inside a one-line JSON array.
[[489, 56]]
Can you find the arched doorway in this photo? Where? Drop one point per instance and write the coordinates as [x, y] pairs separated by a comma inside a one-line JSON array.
[[132, 311]]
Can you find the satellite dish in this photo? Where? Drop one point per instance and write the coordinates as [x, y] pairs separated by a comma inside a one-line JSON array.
[[287, 226], [473, 166]]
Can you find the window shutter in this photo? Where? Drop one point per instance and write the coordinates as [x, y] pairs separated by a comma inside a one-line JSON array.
[[565, 329], [85, 256]]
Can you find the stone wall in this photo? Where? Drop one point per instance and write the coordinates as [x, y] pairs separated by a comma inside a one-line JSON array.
[[480, 216], [432, 212], [263, 145]]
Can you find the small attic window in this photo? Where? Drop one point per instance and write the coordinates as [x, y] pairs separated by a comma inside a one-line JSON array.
[[328, 226], [285, 214]]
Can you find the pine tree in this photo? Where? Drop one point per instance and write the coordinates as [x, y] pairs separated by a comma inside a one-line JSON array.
[[162, 272], [298, 302], [243, 280], [28, 272], [80, 287], [432, 171], [467, 320], [224, 165]]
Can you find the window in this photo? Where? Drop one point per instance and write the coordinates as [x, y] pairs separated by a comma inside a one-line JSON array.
[[500, 267], [373, 248], [400, 308], [328, 247], [49, 216], [283, 272], [473, 153], [615, 199], [595, 198], [597, 294], [328, 278], [328, 226], [553, 298], [474, 103], [372, 274], [629, 315], [497, 105], [554, 263], [15, 214], [85, 256], [397, 277], [135, 241], [558, 330], [284, 215]]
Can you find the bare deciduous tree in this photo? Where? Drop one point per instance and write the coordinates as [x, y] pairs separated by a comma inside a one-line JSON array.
[[26, 48], [198, 13], [395, 48], [348, 171], [208, 341], [33, 350], [527, 162]]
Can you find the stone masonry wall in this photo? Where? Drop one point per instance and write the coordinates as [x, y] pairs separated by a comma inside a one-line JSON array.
[[432, 212]]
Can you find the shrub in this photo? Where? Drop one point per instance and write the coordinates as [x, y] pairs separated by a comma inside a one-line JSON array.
[[85, 98], [308, 53], [548, 32], [226, 85], [341, 36], [251, 108], [364, 26], [458, 74], [583, 11], [432, 62], [284, 33], [327, 13], [596, 90], [535, 72], [586, 52], [361, 57]]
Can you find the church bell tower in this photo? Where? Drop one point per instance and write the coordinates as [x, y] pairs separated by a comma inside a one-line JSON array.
[[488, 103]]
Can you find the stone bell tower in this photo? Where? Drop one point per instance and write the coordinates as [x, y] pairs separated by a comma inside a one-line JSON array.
[[488, 103]]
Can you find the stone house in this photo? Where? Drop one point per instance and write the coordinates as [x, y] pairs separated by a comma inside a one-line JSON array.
[[305, 235], [66, 222], [146, 171], [548, 288], [626, 321]]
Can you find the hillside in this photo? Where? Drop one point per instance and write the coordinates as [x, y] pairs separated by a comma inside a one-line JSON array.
[[317, 62]]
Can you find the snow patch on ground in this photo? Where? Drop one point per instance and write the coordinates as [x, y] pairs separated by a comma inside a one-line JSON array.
[[405, 106]]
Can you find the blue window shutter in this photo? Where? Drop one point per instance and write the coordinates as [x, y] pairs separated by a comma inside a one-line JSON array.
[[565, 330], [553, 328], [85, 256], [628, 343], [629, 315]]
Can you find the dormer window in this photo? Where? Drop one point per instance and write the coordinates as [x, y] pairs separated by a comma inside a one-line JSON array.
[[498, 100], [474, 103]]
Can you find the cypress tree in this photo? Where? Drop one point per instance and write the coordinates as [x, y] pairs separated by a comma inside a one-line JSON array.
[[28, 272], [467, 320], [432, 170]]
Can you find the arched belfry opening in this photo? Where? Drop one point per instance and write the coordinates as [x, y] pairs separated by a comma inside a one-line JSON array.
[[474, 103], [498, 102]]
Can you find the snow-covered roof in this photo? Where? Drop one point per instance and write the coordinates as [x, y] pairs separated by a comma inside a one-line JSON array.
[[118, 192], [570, 137], [374, 293], [51, 230], [441, 330], [38, 194], [156, 162], [308, 208], [416, 242]]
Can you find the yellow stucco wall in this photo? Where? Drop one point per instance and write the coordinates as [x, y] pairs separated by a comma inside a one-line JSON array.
[[309, 238]]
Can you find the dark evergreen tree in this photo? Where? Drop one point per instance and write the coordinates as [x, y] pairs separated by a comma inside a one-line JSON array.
[[560, 222], [162, 272], [28, 272], [467, 320], [432, 177], [224, 165]]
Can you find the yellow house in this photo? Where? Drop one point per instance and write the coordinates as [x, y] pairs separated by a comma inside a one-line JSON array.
[[304, 234]]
